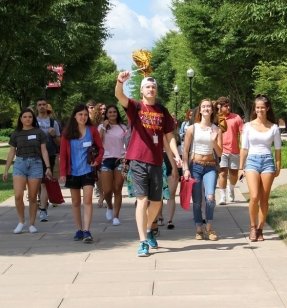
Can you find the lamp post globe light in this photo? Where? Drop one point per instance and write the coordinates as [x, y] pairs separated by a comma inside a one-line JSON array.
[[176, 90], [190, 75]]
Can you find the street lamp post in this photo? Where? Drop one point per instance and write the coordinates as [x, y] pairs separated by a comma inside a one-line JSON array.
[[176, 90], [190, 75]]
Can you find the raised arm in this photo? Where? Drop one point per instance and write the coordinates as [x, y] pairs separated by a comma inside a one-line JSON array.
[[119, 90]]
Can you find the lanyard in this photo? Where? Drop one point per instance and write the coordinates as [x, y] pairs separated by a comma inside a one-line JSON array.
[[151, 123]]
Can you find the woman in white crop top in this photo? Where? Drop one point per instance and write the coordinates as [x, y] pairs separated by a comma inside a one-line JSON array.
[[257, 161], [204, 138]]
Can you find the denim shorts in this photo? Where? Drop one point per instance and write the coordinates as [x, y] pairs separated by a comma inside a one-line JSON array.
[[29, 167], [110, 164], [78, 182], [147, 180], [260, 163]]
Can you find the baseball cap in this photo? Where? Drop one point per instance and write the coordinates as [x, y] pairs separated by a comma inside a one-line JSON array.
[[147, 80]]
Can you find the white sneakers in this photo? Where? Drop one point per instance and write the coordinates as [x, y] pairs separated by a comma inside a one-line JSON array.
[[19, 228], [116, 221], [33, 229], [231, 194], [109, 214], [109, 217], [222, 200]]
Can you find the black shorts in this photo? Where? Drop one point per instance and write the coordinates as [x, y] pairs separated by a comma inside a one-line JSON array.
[[147, 180], [78, 182]]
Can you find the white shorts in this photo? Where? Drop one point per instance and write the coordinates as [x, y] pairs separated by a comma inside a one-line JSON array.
[[230, 161]]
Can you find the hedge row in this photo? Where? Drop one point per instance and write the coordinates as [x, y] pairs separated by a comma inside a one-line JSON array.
[[6, 132]]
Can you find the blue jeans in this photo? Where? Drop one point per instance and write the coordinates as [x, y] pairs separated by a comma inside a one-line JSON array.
[[206, 175]]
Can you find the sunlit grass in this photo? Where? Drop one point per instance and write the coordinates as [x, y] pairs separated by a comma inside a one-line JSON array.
[[6, 188], [277, 217]]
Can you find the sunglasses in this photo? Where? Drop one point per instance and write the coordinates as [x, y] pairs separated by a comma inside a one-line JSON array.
[[150, 79]]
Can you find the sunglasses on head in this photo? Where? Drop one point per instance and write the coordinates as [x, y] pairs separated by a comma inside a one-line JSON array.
[[261, 96], [150, 79]]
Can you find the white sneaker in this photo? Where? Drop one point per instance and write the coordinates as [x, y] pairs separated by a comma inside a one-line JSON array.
[[43, 215], [231, 194], [109, 214], [116, 221], [19, 228], [222, 200], [32, 229]]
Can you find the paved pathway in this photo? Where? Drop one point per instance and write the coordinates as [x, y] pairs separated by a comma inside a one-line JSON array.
[[50, 270]]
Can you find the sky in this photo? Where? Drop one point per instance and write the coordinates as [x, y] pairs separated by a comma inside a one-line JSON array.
[[134, 25]]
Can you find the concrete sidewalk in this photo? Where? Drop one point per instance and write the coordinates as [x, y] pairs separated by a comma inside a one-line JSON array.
[[49, 269]]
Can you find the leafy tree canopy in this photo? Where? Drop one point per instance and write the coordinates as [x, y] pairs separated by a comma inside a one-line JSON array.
[[35, 34]]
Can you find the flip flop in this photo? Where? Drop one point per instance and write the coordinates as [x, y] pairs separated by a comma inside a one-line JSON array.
[[100, 203], [170, 225], [160, 222]]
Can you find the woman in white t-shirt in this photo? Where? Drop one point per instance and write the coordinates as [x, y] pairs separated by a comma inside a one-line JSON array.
[[257, 163], [114, 135]]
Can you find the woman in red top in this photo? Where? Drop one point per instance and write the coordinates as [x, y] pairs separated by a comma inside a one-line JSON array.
[[75, 170]]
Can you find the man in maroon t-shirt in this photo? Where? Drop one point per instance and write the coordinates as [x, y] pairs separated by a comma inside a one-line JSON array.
[[150, 123]]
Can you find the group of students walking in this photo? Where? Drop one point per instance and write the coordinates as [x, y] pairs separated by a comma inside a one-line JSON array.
[[211, 133]]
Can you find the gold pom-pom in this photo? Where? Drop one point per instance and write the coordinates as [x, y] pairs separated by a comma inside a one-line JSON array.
[[142, 59]]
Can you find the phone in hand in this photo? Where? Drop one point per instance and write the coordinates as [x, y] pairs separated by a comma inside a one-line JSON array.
[[241, 177]]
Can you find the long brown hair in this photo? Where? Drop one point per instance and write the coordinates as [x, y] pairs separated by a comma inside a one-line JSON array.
[[187, 114], [35, 123], [197, 117], [267, 102], [71, 131]]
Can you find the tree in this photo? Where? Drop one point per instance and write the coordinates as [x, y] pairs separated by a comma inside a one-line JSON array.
[[226, 37], [271, 79], [47, 32], [98, 83]]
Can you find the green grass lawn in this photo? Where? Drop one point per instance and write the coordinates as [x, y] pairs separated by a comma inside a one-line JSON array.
[[6, 188], [277, 217], [284, 154]]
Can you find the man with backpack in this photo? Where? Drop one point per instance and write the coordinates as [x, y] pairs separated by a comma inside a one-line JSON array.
[[51, 128]]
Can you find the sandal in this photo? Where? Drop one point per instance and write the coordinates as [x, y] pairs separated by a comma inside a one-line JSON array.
[[100, 202], [160, 222], [154, 229], [253, 234], [170, 225], [260, 237]]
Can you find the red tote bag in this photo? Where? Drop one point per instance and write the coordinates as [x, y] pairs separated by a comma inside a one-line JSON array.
[[186, 192], [54, 191]]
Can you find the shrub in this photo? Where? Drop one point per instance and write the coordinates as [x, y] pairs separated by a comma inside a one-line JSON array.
[[6, 132]]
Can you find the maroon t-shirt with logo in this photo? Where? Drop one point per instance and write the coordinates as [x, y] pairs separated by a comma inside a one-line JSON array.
[[149, 123]]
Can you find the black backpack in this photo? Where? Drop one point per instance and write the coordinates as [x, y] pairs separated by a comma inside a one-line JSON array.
[[52, 148]]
